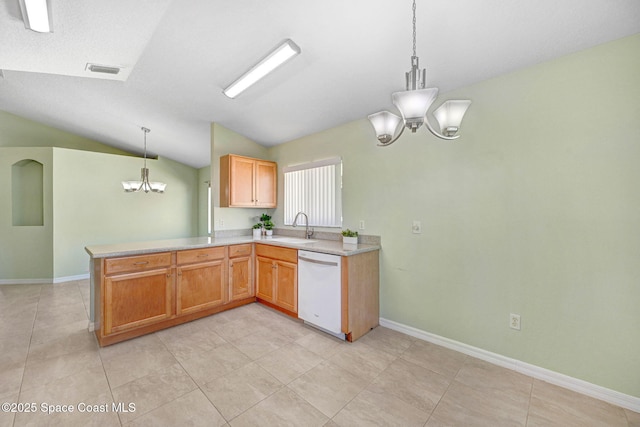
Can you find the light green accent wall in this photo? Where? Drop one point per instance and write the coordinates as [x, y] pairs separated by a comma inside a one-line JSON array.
[[83, 201], [204, 177], [26, 252], [27, 193], [534, 210], [16, 131], [225, 141], [91, 208]]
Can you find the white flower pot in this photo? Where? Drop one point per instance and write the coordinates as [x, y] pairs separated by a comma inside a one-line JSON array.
[[257, 233], [269, 233], [349, 240]]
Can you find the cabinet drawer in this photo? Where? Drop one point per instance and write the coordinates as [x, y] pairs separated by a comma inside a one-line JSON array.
[[239, 250], [200, 255], [275, 252], [137, 263]]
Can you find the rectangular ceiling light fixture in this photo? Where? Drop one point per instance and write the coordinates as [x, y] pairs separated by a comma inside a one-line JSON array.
[[37, 15], [273, 60], [105, 69]]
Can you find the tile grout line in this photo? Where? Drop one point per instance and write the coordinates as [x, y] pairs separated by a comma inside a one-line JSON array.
[[466, 359], [199, 387], [526, 421], [27, 356], [107, 378], [396, 357]]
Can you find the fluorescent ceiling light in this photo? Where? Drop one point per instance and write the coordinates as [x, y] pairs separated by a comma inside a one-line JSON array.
[[273, 60], [105, 69], [37, 15]]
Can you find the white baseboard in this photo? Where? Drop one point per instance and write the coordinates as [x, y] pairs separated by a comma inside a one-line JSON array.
[[71, 278], [25, 281], [43, 281], [614, 397]]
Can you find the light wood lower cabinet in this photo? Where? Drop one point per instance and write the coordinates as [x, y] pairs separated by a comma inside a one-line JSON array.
[[360, 294], [241, 272], [152, 290], [277, 277], [200, 285], [286, 285], [264, 279], [141, 294]]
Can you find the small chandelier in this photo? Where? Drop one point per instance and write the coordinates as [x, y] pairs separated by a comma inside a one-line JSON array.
[[144, 184], [413, 105]]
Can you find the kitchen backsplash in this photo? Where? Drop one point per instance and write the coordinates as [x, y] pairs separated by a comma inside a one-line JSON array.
[[321, 235]]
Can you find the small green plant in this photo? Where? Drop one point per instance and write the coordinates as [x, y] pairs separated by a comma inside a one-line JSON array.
[[257, 226], [349, 233], [268, 225], [264, 218]]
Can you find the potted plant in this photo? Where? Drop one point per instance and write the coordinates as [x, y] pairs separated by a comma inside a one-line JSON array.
[[257, 230], [349, 237], [268, 226], [264, 218]]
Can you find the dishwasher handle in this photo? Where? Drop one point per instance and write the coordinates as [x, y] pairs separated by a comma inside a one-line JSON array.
[[315, 261]]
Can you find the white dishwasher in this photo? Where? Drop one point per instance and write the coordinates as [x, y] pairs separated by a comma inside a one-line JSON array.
[[320, 291]]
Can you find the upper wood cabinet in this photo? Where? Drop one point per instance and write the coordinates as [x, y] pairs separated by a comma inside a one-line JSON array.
[[246, 182]]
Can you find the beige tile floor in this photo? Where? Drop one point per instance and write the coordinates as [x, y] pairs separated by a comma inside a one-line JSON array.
[[255, 367]]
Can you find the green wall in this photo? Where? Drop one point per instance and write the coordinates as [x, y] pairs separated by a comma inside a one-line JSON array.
[[225, 141], [26, 252], [84, 203], [16, 131], [534, 210], [204, 178], [90, 207]]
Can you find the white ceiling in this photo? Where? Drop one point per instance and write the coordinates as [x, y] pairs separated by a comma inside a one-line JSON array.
[[178, 55]]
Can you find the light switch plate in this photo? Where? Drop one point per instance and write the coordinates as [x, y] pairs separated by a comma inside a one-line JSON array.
[[416, 228]]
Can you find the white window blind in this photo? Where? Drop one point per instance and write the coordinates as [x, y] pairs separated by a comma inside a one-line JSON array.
[[316, 189]]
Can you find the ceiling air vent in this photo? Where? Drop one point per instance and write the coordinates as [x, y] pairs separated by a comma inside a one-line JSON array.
[[104, 69]]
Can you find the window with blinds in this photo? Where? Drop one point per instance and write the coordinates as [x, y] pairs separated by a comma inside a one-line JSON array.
[[316, 189]]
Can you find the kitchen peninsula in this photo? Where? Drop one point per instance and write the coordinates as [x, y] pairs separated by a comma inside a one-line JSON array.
[[143, 287]]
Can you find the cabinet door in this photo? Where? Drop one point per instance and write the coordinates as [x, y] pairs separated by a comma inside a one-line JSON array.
[[287, 285], [200, 286], [240, 278], [266, 184], [137, 299], [241, 192], [264, 278]]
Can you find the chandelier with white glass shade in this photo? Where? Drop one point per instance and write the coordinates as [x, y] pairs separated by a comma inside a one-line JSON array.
[[413, 104], [144, 184]]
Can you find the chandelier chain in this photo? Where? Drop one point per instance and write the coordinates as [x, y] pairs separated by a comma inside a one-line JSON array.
[[414, 27]]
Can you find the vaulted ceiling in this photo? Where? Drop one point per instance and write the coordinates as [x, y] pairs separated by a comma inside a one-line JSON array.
[[177, 56]]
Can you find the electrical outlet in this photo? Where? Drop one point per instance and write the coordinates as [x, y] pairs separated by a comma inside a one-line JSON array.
[[221, 223], [416, 227], [361, 227], [514, 321]]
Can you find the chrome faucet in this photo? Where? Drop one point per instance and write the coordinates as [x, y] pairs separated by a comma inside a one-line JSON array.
[[307, 233]]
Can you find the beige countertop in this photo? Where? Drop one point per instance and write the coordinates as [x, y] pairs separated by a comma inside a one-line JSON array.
[[334, 247]]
